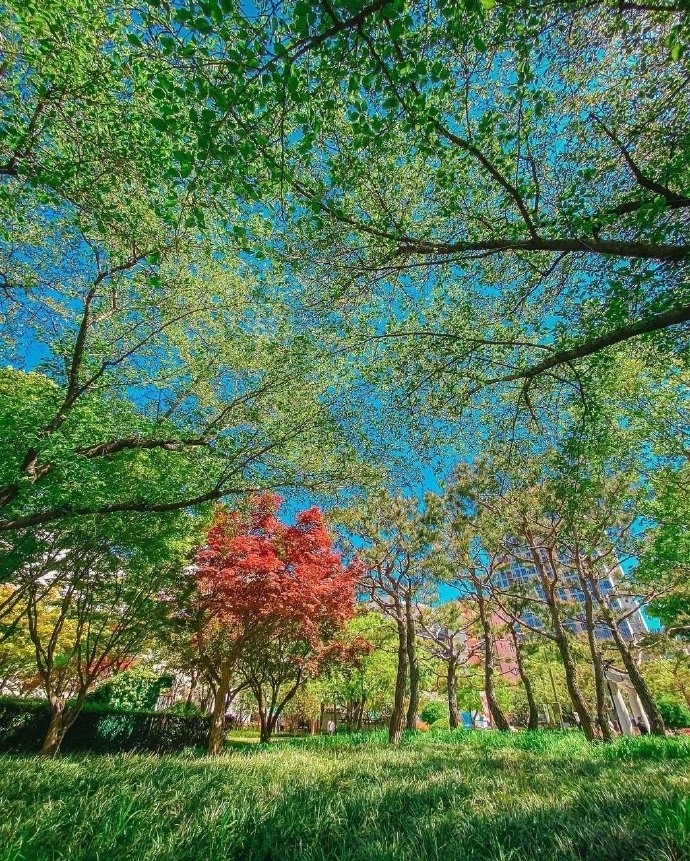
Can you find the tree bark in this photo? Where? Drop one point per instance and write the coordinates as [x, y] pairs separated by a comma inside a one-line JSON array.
[[413, 661], [396, 721], [560, 637], [60, 721], [216, 735], [267, 725], [497, 716], [533, 718], [576, 696], [454, 716], [656, 721], [597, 664], [360, 712]]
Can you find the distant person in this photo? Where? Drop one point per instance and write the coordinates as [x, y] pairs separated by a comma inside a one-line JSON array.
[[641, 727], [330, 728]]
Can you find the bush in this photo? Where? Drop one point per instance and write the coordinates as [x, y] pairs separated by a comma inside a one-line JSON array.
[[137, 689], [676, 714], [433, 711], [441, 723], [23, 724], [185, 709]]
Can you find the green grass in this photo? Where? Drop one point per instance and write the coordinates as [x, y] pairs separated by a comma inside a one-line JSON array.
[[453, 796]]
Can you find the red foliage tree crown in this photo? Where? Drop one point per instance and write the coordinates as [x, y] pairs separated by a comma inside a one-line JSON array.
[[256, 571]]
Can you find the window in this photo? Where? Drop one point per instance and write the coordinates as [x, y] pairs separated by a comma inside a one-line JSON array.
[[521, 573], [529, 618]]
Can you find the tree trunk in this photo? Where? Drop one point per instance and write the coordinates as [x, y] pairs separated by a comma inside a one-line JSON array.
[[216, 736], [576, 697], [267, 725], [497, 716], [533, 718], [597, 664], [454, 716], [396, 721], [360, 712], [60, 721], [413, 661], [656, 721], [561, 639]]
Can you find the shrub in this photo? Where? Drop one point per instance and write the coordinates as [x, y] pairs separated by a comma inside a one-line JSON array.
[[676, 714], [185, 709], [434, 711], [441, 723], [137, 689], [23, 724]]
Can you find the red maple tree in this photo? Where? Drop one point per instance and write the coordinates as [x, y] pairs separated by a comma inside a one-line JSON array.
[[273, 596]]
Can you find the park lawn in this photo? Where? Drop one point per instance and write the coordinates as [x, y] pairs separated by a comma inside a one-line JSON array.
[[469, 796]]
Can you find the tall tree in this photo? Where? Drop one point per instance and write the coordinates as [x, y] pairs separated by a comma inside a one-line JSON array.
[[396, 542]]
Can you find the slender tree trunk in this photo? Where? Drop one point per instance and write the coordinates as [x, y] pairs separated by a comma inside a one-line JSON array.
[[576, 696], [396, 721], [597, 664], [454, 716], [413, 661], [360, 712], [497, 716], [656, 721], [267, 725], [216, 735], [192, 687], [560, 637], [533, 718]]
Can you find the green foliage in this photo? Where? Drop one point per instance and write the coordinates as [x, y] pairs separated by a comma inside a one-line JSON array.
[[434, 712], [676, 714], [100, 729], [480, 796], [132, 690], [184, 709]]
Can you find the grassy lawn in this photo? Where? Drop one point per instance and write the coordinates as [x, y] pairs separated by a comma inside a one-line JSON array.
[[451, 796]]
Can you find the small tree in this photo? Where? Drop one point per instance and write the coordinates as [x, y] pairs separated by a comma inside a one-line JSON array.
[[88, 599], [444, 632], [271, 594]]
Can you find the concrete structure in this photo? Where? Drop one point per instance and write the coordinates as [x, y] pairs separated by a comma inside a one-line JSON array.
[[621, 689]]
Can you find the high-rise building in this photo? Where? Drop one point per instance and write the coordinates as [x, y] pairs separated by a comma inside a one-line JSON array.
[[569, 591]]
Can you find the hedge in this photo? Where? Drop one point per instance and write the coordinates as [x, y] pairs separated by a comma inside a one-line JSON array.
[[23, 724]]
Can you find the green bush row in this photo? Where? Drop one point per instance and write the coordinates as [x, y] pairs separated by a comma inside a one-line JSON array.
[[23, 724]]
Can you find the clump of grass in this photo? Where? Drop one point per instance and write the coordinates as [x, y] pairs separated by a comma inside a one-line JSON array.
[[452, 795]]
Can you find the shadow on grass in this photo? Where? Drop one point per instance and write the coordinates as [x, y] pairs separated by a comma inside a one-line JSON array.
[[438, 822], [486, 801]]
